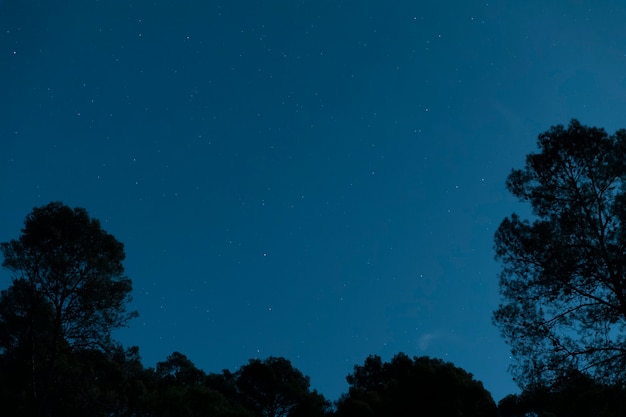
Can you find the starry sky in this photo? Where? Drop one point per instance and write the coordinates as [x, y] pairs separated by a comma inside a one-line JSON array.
[[314, 179]]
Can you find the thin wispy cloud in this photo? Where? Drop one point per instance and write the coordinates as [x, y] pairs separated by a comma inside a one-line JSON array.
[[426, 340]]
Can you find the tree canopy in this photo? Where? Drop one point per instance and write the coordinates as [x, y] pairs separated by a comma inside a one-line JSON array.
[[68, 293], [563, 280], [409, 387], [573, 394], [66, 259], [274, 388]]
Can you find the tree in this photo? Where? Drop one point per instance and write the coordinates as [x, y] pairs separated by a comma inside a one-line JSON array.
[[178, 369], [574, 395], [178, 388], [409, 387], [563, 281], [26, 329], [274, 388], [65, 257], [68, 293]]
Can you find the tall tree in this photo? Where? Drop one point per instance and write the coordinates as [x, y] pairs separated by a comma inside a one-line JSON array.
[[563, 281], [68, 293], [68, 260]]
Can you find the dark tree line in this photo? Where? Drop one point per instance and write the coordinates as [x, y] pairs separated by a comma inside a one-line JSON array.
[[57, 358]]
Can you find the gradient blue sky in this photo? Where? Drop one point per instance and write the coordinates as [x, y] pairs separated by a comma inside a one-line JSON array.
[[314, 179]]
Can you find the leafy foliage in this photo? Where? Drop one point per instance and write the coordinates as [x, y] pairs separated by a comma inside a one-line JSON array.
[[563, 280]]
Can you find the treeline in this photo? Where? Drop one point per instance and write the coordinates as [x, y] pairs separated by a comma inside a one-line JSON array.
[[57, 357], [92, 383]]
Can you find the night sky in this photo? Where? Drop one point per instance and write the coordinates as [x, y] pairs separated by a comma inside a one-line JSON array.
[[315, 179]]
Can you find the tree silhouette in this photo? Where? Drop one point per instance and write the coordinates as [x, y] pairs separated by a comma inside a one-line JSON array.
[[274, 388], [68, 293], [65, 257], [409, 387], [563, 280], [178, 389], [573, 394]]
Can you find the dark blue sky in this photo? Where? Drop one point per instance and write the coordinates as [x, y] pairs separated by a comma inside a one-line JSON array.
[[314, 179]]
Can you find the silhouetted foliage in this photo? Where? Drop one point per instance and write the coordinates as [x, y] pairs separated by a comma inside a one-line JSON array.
[[274, 388], [563, 278], [409, 387], [179, 388], [68, 293], [179, 370], [573, 394], [66, 259]]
